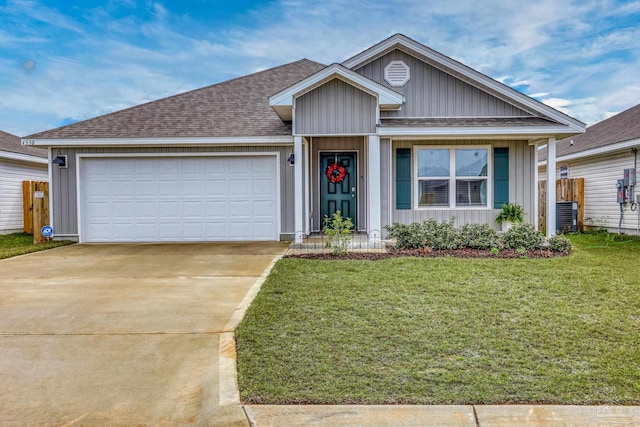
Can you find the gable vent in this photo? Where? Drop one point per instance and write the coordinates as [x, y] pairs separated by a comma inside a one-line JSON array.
[[397, 73]]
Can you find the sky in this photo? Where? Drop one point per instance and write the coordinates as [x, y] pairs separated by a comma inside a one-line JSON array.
[[65, 61]]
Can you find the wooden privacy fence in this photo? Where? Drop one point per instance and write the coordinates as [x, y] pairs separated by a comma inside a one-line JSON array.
[[35, 207], [567, 190]]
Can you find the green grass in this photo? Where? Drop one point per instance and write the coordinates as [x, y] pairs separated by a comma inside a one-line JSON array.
[[21, 243], [448, 331]]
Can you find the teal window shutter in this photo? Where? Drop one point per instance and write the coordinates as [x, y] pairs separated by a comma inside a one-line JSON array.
[[500, 177], [403, 178]]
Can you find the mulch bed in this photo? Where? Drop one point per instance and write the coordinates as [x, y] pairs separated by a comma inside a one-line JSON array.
[[427, 253]]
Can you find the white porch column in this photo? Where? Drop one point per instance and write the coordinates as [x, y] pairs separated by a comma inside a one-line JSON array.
[[551, 187], [298, 189], [373, 184]]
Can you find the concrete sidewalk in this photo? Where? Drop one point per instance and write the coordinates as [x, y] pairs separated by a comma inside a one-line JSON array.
[[443, 416]]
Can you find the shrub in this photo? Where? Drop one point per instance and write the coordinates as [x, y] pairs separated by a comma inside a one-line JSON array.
[[430, 233], [479, 236], [441, 236], [338, 229], [408, 236], [523, 236], [560, 243]]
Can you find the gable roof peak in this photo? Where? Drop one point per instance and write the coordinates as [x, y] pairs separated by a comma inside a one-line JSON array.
[[282, 102], [464, 73]]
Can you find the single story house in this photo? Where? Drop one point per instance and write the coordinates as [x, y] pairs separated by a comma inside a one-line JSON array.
[[17, 163], [600, 156], [397, 133]]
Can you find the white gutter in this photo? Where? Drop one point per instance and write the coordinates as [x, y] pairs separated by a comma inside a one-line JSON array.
[[122, 142]]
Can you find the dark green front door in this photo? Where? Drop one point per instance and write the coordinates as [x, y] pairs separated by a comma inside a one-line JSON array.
[[338, 196]]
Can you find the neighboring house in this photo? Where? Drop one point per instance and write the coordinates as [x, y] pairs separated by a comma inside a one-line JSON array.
[[17, 163], [405, 132], [600, 156]]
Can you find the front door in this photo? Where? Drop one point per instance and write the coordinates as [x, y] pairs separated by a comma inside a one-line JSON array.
[[338, 177]]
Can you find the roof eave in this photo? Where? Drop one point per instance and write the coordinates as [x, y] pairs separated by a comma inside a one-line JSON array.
[[23, 157], [607, 149], [163, 141], [530, 133]]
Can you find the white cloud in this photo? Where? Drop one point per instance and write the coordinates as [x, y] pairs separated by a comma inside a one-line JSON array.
[[32, 9]]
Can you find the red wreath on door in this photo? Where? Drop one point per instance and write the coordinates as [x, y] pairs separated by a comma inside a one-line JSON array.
[[336, 173]]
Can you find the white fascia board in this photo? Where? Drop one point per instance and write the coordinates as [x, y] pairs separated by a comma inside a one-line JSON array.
[[626, 145], [519, 131], [386, 96], [468, 72], [23, 157], [88, 142]]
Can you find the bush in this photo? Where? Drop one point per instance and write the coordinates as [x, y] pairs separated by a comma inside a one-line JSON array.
[[408, 236], [479, 236], [523, 236], [560, 243], [441, 236], [430, 233]]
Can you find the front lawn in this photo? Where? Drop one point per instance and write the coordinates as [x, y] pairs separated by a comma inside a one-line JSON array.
[[22, 243], [448, 331]]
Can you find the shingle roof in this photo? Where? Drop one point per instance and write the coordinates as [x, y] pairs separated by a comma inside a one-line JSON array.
[[11, 143], [237, 107], [467, 122], [622, 127]]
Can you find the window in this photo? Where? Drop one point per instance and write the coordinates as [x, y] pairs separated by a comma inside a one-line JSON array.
[[452, 177]]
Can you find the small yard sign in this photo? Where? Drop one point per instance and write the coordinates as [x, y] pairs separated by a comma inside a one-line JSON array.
[[46, 231]]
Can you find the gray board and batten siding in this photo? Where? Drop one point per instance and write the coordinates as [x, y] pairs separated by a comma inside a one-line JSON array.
[[431, 92], [521, 175], [64, 189], [335, 108]]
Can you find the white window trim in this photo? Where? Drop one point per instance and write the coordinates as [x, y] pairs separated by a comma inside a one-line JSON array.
[[452, 178]]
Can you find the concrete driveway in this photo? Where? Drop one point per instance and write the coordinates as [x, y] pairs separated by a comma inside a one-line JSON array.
[[122, 334]]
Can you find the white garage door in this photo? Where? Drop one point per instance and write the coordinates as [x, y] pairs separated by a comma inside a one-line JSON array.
[[178, 199]]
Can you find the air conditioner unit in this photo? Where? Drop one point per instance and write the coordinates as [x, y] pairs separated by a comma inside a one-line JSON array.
[[566, 217]]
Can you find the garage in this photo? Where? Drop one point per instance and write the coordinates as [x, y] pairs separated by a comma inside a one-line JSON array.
[[178, 199]]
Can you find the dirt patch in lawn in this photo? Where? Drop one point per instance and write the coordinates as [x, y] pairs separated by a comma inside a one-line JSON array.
[[428, 253]]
